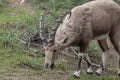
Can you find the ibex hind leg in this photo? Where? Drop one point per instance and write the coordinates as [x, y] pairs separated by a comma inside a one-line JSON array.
[[115, 39], [104, 47]]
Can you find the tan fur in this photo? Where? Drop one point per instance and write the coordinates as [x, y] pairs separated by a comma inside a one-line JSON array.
[[88, 21], [102, 14]]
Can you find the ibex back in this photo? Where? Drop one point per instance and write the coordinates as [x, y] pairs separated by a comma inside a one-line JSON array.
[[97, 20]]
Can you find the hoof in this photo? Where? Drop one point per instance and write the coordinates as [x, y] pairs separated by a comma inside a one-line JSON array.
[[90, 73], [77, 74], [119, 75], [98, 74]]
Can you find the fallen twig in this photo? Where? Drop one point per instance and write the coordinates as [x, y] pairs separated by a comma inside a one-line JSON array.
[[22, 41]]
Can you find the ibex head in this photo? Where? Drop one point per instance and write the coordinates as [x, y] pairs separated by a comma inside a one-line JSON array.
[[50, 46]]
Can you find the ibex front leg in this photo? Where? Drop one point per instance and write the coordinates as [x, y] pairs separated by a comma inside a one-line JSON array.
[[82, 53], [78, 71], [87, 59]]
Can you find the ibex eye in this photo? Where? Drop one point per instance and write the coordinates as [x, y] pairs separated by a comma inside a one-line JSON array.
[[54, 51]]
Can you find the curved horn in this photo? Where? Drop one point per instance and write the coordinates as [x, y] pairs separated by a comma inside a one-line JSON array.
[[41, 24], [57, 23]]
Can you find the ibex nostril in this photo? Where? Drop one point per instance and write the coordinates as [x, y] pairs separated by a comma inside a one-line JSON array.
[[46, 65]]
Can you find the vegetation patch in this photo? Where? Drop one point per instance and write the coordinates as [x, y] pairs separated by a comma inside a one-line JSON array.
[[21, 61]]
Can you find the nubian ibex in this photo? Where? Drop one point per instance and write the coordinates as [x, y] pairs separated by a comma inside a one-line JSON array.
[[94, 20]]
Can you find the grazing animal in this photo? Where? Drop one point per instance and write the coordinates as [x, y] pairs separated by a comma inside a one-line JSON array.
[[95, 20]]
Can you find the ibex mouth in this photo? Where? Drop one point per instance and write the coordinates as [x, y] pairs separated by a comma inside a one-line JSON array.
[[52, 66]]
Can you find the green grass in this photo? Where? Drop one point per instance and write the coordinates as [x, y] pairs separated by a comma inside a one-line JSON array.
[[18, 24]]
